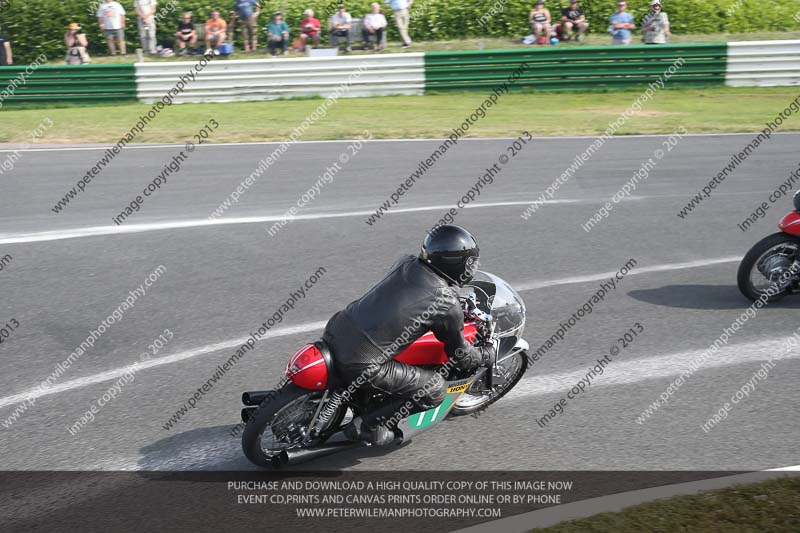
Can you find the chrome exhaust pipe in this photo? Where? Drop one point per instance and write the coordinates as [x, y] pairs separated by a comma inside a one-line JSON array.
[[301, 455], [255, 397]]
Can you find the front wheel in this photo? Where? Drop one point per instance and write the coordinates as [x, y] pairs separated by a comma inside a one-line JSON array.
[[281, 423], [507, 374], [764, 267]]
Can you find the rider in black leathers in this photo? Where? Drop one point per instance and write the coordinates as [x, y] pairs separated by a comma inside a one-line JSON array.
[[418, 295]]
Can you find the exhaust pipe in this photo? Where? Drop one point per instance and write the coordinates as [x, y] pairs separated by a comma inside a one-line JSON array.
[[255, 397], [247, 413], [301, 455]]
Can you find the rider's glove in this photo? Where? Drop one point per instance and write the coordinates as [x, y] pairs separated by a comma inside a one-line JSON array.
[[489, 355]]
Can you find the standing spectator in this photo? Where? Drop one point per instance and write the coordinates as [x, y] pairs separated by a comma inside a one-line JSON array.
[[400, 8], [76, 43], [656, 25], [540, 22], [111, 17], [215, 33], [573, 18], [278, 34], [146, 21], [6, 57], [374, 24], [185, 34], [621, 24], [310, 28], [341, 22], [247, 12]]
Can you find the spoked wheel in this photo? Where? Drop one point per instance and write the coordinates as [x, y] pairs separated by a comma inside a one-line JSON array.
[[281, 423], [765, 266], [506, 376]]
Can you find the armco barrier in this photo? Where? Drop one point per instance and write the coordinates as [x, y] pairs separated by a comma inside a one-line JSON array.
[[584, 67], [76, 83], [268, 79], [763, 63]]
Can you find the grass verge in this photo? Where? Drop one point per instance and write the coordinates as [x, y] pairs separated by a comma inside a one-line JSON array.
[[710, 110], [772, 506]]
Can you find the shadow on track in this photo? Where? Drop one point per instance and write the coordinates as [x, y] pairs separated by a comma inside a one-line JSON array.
[[711, 297], [213, 448]]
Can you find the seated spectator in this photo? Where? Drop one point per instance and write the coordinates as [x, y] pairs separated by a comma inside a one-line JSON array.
[[374, 24], [111, 17], [540, 22], [6, 57], [216, 29], [247, 12], [573, 19], [656, 25], [621, 24], [185, 34], [278, 34], [310, 29], [76, 43], [340, 27]]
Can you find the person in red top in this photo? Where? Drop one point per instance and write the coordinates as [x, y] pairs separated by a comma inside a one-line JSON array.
[[309, 28]]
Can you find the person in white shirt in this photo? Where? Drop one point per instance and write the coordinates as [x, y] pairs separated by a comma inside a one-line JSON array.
[[341, 23], [146, 20], [401, 17], [374, 24], [111, 17]]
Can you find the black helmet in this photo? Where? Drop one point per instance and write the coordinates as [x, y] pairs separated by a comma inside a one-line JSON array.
[[452, 252]]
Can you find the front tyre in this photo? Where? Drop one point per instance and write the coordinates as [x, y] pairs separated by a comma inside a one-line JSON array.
[[477, 398], [765, 264]]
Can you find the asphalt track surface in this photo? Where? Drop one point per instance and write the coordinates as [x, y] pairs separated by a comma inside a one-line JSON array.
[[223, 280]]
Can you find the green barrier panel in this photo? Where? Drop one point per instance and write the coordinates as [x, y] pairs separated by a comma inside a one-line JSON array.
[[579, 67], [76, 83]]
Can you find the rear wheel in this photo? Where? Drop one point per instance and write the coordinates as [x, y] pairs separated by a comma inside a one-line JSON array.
[[765, 264], [507, 374], [281, 423]]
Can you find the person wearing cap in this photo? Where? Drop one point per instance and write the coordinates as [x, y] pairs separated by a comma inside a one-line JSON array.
[[655, 25], [621, 24], [573, 19], [76, 43], [540, 21], [401, 9], [340, 27], [278, 34]]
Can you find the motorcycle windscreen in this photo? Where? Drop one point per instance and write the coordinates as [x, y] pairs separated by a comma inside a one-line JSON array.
[[496, 296]]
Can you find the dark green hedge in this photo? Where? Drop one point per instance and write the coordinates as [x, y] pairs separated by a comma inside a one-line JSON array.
[[37, 26]]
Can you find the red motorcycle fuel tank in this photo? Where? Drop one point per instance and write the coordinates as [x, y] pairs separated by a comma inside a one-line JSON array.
[[790, 223], [428, 350]]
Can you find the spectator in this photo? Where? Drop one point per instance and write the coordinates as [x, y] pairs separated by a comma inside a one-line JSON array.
[[656, 25], [540, 22], [374, 24], [215, 33], [111, 17], [278, 34], [573, 19], [400, 8], [145, 20], [185, 34], [310, 28], [621, 24], [76, 43], [341, 22], [247, 12], [6, 57]]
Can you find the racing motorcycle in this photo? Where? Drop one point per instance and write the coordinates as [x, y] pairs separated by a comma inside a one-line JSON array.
[[303, 419], [774, 262]]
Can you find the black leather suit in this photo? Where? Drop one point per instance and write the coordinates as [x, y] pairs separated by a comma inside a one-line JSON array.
[[366, 337]]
